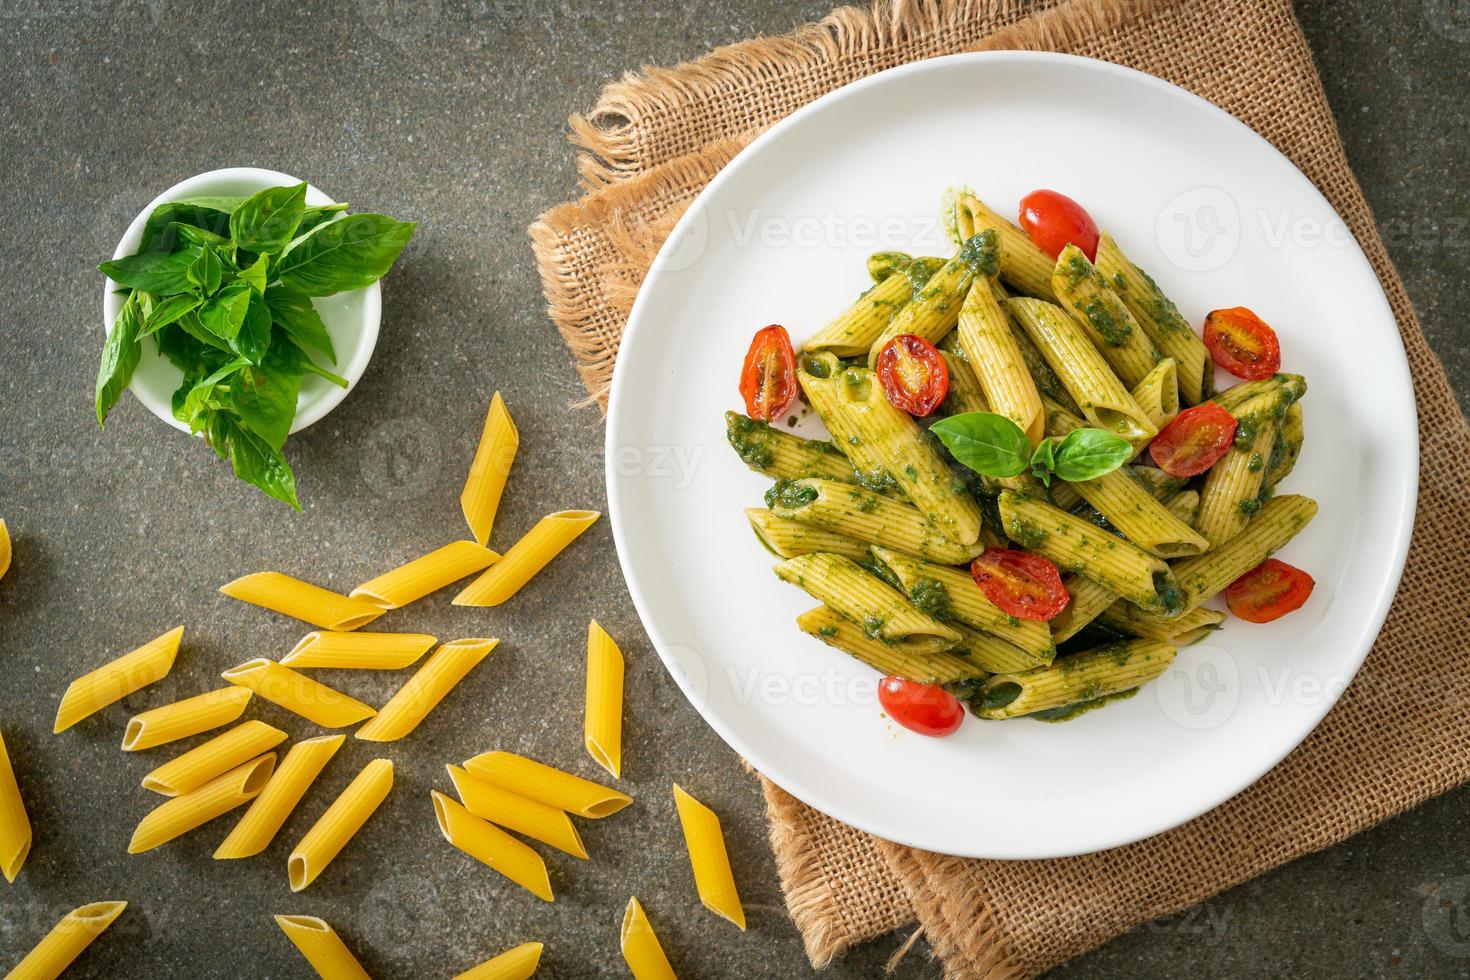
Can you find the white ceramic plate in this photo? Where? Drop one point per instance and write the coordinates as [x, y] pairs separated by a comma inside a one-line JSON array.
[[780, 236], [351, 318]]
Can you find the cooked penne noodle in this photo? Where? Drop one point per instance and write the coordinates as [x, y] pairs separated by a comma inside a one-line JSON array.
[[1076, 678], [15, 825], [527, 557], [298, 693], [1022, 264], [322, 947], [882, 611], [845, 635], [1087, 600], [181, 719], [965, 393], [480, 498], [853, 331], [602, 719], [1184, 505], [117, 679], [935, 308], [705, 841], [359, 651], [199, 806], [787, 538], [518, 963], [340, 823], [1288, 446], [301, 600], [783, 456], [414, 580], [219, 755], [260, 824], [1090, 301], [500, 806], [545, 784], [1159, 318], [850, 512], [1279, 520], [1234, 397], [66, 941], [429, 685], [995, 359], [1232, 489], [1158, 393], [640, 947], [4, 548], [881, 265], [1128, 618], [818, 374], [492, 846]]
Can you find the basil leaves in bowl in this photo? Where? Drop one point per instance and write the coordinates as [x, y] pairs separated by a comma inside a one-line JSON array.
[[242, 305]]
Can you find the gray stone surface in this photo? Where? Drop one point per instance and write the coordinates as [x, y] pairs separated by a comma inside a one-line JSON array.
[[454, 115]]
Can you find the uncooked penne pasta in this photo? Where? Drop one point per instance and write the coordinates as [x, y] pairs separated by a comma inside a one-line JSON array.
[[219, 755], [602, 720], [298, 693], [340, 823], [517, 963], [429, 685], [996, 361], [1095, 307], [66, 941], [853, 331], [845, 635], [546, 784], [1075, 678], [492, 846], [480, 498], [117, 679], [15, 825], [641, 949], [322, 947], [359, 651], [260, 824], [884, 613], [705, 842], [527, 557], [422, 576], [787, 538], [4, 548], [548, 824], [301, 600], [171, 722], [850, 512], [197, 807]]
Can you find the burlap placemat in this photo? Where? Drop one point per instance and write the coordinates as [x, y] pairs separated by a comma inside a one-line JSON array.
[[1399, 735]]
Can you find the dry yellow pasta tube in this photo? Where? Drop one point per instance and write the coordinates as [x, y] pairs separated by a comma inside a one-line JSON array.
[[705, 842], [422, 576], [1075, 678], [641, 949], [322, 947], [359, 651], [850, 512], [602, 719], [4, 548], [492, 846], [429, 685], [855, 329], [181, 719], [480, 498], [298, 693], [1022, 264], [883, 612], [302, 600], [518, 963], [116, 679], [787, 538], [66, 941], [15, 826], [1158, 393], [219, 755], [199, 806], [343, 819], [542, 783], [1086, 296], [527, 557], [996, 360], [260, 824], [500, 806], [845, 635]]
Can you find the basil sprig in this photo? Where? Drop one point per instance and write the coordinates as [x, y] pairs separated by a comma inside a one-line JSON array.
[[993, 445], [224, 286]]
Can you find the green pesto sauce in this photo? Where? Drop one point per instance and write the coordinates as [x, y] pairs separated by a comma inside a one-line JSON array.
[[816, 367], [827, 631], [873, 627], [1077, 268], [1249, 506], [1171, 596], [930, 597], [919, 273], [790, 494], [1025, 533], [1067, 712], [750, 439], [881, 265], [1255, 464], [876, 480], [879, 570], [1114, 332], [981, 253], [1000, 695]]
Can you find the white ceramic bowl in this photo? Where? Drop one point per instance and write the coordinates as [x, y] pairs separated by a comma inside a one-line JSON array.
[[351, 318]]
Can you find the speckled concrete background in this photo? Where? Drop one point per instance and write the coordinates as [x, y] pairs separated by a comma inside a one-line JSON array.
[[454, 115]]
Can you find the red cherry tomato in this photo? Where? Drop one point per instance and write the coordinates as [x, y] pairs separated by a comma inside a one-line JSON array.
[[924, 708], [1242, 343], [1020, 584], [1055, 221], [914, 376], [1193, 442], [1269, 591], [768, 378]]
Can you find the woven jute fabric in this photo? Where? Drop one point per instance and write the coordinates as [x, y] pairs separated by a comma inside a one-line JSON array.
[[1401, 732]]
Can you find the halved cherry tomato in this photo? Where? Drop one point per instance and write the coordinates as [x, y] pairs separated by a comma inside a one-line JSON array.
[[1269, 591], [1193, 442], [1055, 221], [924, 708], [914, 376], [768, 378], [1242, 343], [1020, 584]]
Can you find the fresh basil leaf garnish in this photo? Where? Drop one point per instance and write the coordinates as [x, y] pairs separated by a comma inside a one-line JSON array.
[[292, 311], [120, 354], [224, 313], [266, 221], [167, 311], [206, 271], [348, 253], [161, 273], [1086, 454], [989, 444]]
